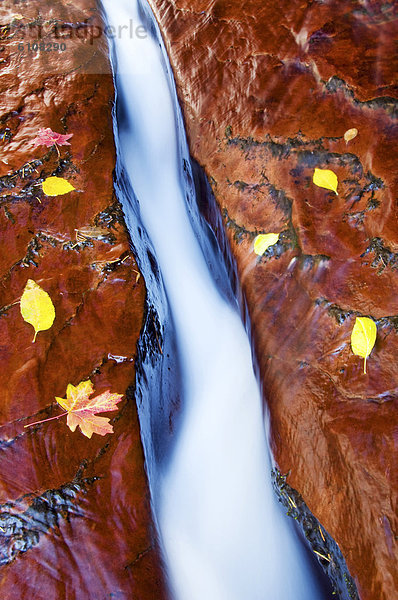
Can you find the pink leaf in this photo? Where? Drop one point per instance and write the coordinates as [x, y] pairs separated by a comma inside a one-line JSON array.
[[48, 137]]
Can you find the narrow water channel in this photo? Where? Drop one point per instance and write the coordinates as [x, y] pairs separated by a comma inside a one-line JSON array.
[[222, 532]]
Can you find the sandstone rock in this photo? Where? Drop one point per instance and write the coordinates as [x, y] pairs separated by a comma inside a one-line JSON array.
[[268, 90], [75, 518]]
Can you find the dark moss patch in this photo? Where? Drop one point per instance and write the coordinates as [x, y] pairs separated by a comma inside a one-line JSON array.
[[77, 246], [383, 256], [29, 168], [308, 154], [48, 239], [32, 253], [31, 188], [334, 84], [243, 186], [372, 204], [375, 183], [287, 238], [34, 248], [277, 147], [19, 532], [357, 193], [320, 542], [386, 103], [278, 197], [281, 200], [287, 241], [111, 266], [110, 216], [341, 315], [334, 311], [240, 185], [338, 313], [10, 181], [65, 164], [213, 182], [390, 322], [12, 113], [35, 245], [323, 158], [240, 232]]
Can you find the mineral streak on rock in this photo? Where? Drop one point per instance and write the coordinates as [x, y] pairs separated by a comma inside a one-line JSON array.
[[268, 90], [75, 518]]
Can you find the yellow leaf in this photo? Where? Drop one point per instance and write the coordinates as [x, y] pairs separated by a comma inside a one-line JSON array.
[[37, 307], [363, 337], [56, 186], [325, 178], [264, 241], [350, 134]]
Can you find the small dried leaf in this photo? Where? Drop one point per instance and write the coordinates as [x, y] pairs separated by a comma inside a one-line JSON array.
[[37, 307], [350, 134], [94, 233], [56, 186], [325, 178], [264, 241], [363, 338], [81, 409]]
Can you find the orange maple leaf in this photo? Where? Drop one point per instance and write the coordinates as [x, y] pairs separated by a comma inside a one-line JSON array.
[[81, 409]]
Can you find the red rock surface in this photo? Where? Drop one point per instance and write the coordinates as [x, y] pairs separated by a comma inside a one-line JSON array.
[[75, 519], [268, 90]]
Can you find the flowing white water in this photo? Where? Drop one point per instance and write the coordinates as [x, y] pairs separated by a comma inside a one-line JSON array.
[[223, 534]]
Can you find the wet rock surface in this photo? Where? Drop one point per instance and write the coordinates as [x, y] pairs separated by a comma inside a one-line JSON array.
[[268, 91], [75, 519]]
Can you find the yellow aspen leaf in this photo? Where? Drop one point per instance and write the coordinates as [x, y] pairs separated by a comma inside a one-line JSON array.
[[363, 338], [264, 241], [56, 186], [325, 178], [350, 134], [37, 307]]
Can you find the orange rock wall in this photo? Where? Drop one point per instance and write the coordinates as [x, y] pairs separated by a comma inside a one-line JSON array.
[[75, 519], [268, 90]]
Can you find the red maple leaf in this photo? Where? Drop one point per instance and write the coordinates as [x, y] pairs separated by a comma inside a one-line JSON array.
[[48, 137], [81, 409]]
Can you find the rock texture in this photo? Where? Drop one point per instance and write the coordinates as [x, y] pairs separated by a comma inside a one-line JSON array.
[[75, 519], [268, 90]]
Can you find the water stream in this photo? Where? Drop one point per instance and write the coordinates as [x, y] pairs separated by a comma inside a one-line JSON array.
[[222, 532]]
